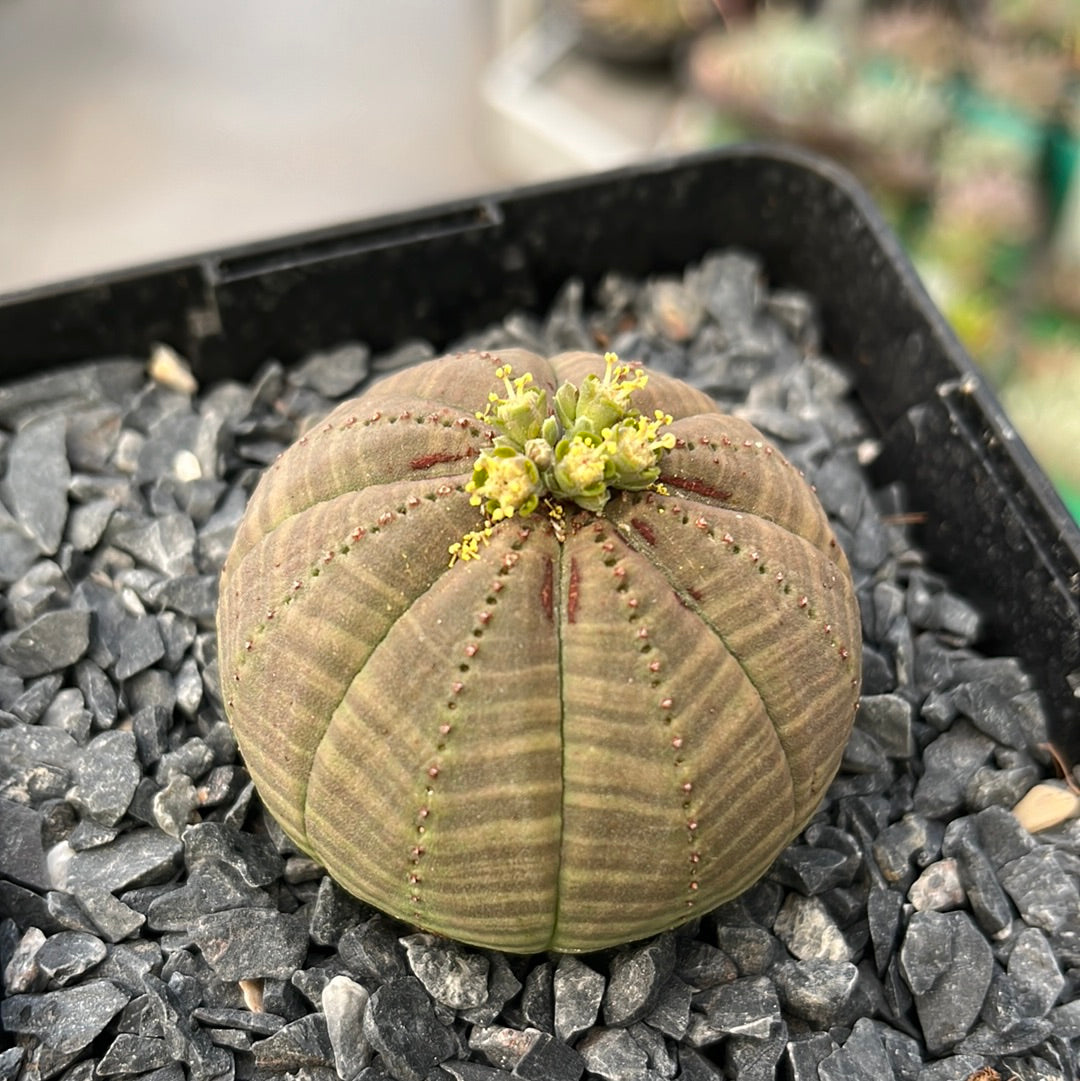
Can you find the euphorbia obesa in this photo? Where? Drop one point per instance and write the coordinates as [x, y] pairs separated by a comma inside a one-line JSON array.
[[538, 653]]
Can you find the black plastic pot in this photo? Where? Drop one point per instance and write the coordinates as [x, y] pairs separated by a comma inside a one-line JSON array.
[[989, 516]]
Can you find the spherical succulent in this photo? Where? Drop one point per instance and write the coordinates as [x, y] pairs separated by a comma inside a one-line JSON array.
[[538, 654]]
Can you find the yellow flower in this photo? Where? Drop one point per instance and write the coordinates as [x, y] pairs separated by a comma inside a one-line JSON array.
[[589, 442], [505, 483]]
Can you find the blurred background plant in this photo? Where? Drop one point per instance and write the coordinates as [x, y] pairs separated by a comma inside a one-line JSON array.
[[963, 119]]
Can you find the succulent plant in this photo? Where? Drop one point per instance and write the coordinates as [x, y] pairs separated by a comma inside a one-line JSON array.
[[549, 660]]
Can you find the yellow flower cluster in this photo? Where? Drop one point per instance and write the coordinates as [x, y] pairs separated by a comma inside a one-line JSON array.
[[592, 441]]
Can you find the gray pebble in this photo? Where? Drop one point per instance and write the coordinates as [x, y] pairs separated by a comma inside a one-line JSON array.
[[68, 912], [22, 856], [947, 964], [453, 975], [174, 807], [99, 694], [811, 870], [702, 964], [255, 858], [1007, 674], [250, 944], [177, 635], [48, 644], [636, 977], [841, 488], [1034, 971], [820, 992], [613, 1054], [1001, 836], [955, 616], [460, 1071], [538, 997], [64, 957], [133, 1054], [549, 1059], [151, 725], [32, 704], [502, 986], [11, 686], [938, 888], [904, 1052], [371, 949], [1045, 894], [67, 711], [808, 930], [173, 1072], [888, 717], [1028, 709], [11, 1062], [191, 759], [1002, 1010], [695, 1066], [111, 918], [332, 912], [140, 646], [797, 313], [18, 549], [400, 1023], [333, 373], [87, 522], [661, 1055], [187, 1042], [949, 761], [747, 1006], [42, 587], [150, 687], [671, 1015], [987, 899], [36, 484], [193, 595], [804, 1053], [67, 1020], [141, 857], [729, 285], [21, 972], [409, 352], [88, 833], [92, 434], [164, 544], [258, 1023], [752, 949], [1025, 1035], [990, 787], [106, 777], [990, 712], [1066, 1019], [862, 1056], [578, 991], [304, 1043], [344, 1002]]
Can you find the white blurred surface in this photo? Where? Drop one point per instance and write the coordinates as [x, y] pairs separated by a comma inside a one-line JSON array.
[[133, 130]]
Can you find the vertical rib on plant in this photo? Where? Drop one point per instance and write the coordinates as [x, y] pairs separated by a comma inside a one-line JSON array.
[[608, 719]]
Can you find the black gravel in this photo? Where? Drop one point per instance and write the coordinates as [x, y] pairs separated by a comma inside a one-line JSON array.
[[154, 923]]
